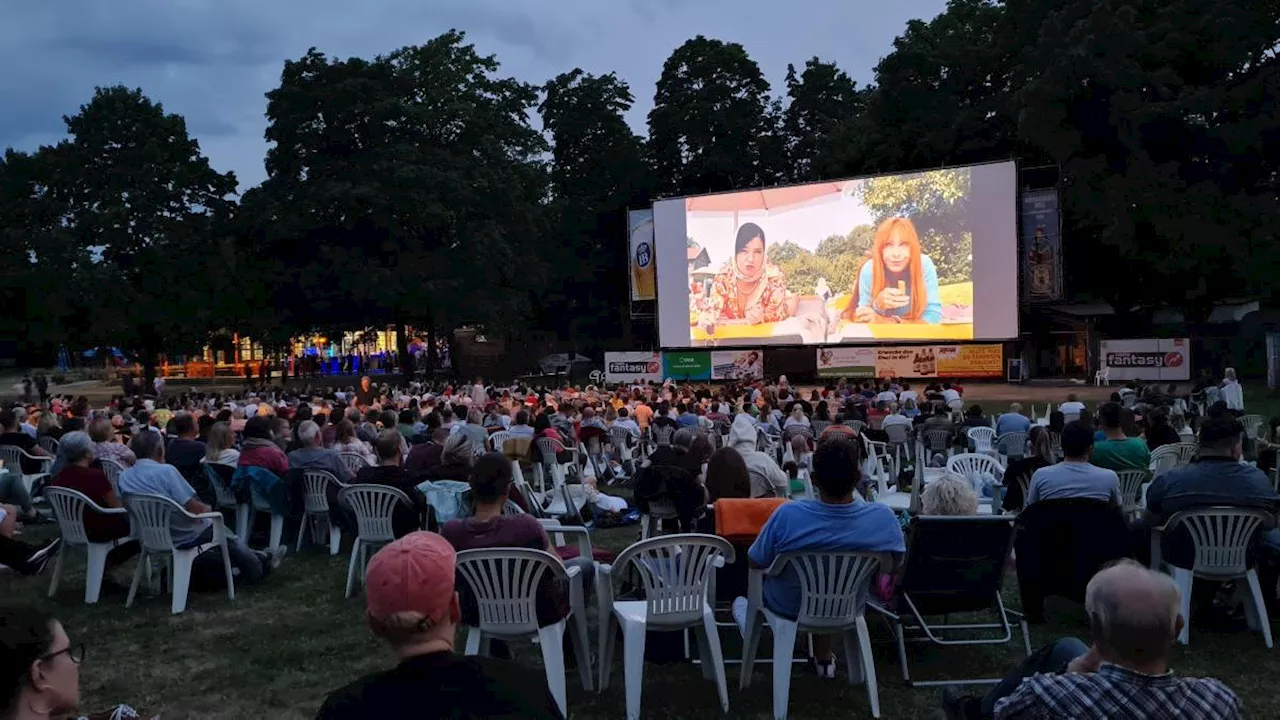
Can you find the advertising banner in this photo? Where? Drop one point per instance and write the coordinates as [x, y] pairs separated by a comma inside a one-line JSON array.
[[1041, 246], [632, 367], [643, 269], [682, 366], [744, 365], [923, 361], [1147, 359], [847, 362]]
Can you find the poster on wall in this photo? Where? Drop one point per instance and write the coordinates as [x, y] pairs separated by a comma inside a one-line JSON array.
[[1041, 246], [1166, 359], [923, 361], [741, 365], [643, 269], [847, 362], [685, 366], [635, 368]]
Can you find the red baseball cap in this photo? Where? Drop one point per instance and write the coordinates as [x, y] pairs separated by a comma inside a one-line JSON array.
[[413, 574]]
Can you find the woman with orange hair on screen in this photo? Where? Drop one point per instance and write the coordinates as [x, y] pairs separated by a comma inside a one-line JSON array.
[[897, 282]]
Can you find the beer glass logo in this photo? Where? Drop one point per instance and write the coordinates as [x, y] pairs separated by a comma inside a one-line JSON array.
[[644, 255]]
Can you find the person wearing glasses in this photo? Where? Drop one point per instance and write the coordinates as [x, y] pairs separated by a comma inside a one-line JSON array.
[[40, 668]]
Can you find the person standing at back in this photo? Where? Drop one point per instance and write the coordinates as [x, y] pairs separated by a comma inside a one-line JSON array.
[[1118, 451], [412, 606]]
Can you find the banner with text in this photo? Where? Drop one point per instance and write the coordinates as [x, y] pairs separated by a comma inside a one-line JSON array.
[[1147, 359], [684, 366], [744, 365], [640, 249], [632, 367], [922, 361]]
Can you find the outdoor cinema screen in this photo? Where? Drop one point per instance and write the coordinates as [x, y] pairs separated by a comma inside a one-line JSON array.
[[922, 256]]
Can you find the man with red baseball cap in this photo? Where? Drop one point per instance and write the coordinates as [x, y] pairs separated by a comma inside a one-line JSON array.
[[412, 605]]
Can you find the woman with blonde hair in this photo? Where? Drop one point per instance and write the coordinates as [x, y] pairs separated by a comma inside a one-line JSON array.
[[897, 281], [950, 494], [220, 447]]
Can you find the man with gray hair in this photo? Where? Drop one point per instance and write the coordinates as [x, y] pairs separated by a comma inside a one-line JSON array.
[[1134, 620], [1013, 421], [151, 476], [313, 455]]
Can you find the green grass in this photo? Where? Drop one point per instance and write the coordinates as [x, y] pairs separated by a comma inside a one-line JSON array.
[[280, 647]]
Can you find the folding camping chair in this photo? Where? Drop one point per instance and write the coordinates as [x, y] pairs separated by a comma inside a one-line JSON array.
[[953, 565]]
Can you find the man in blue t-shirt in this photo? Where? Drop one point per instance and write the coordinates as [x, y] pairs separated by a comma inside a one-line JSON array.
[[837, 521], [1013, 421]]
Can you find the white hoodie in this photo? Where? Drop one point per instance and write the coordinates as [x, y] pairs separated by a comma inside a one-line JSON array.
[[767, 479]]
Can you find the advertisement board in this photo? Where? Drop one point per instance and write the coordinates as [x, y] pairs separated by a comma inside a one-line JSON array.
[[1165, 359], [682, 366], [922, 361], [1041, 246], [643, 269], [635, 368], [924, 256], [744, 365]]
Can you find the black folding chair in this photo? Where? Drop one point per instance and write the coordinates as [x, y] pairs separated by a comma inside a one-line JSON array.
[[953, 565]]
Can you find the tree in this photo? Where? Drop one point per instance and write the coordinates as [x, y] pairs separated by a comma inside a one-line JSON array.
[[824, 101], [146, 214], [941, 97], [1162, 144], [402, 190], [713, 126], [598, 171]]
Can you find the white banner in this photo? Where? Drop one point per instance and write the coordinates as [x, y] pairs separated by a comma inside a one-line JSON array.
[[632, 367], [744, 365], [1167, 359]]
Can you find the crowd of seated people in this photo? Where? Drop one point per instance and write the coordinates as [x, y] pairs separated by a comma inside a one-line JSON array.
[[726, 443]]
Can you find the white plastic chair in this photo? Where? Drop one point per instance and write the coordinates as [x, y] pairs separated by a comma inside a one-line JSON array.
[[12, 455], [1168, 457], [151, 516], [112, 470], [315, 504], [956, 406], [874, 465], [660, 509], [662, 435], [498, 439], [373, 506], [354, 461], [982, 438], [48, 444], [965, 464], [1012, 444], [1131, 482], [504, 583], [936, 441], [1102, 377], [676, 572], [1252, 424], [1221, 537], [899, 442], [622, 441], [833, 598], [69, 507], [1070, 417]]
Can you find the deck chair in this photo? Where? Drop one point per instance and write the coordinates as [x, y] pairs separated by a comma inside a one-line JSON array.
[[953, 565]]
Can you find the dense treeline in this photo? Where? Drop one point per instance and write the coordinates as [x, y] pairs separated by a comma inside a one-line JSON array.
[[413, 187]]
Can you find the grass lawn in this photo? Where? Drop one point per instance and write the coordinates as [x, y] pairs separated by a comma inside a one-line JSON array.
[[280, 647]]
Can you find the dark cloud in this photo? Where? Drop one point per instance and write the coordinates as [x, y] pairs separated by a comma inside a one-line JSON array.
[[213, 60]]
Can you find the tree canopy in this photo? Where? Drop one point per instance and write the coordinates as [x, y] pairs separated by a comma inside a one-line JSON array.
[[427, 186]]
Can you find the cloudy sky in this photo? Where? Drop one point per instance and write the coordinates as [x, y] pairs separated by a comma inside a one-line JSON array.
[[212, 60]]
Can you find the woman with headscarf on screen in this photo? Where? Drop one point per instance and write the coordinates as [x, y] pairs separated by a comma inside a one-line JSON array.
[[750, 287], [898, 282]]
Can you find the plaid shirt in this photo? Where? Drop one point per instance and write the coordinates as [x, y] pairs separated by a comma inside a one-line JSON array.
[[1114, 692]]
